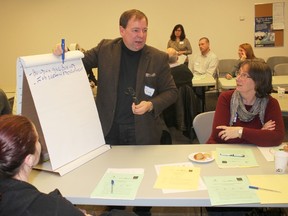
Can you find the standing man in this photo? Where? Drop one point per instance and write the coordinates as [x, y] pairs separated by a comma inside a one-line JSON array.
[[134, 83], [205, 63]]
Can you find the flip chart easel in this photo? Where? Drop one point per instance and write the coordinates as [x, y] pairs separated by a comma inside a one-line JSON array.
[[58, 99]]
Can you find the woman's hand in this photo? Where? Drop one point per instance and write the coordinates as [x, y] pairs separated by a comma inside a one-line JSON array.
[[228, 76], [243, 56], [228, 132], [181, 52], [270, 125]]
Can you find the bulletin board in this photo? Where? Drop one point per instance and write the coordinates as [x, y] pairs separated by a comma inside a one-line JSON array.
[[269, 25]]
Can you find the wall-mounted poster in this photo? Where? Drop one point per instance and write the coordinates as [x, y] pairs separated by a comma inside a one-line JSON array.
[[264, 35], [269, 25]]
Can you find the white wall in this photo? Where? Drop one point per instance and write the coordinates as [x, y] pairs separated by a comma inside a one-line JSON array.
[[33, 27]]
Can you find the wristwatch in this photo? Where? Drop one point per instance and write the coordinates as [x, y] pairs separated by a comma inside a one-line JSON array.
[[240, 132]]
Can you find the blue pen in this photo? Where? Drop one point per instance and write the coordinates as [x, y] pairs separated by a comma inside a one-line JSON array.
[[112, 185], [63, 49], [259, 188]]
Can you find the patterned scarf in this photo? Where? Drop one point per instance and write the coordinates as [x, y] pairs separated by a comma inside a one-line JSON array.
[[238, 109]]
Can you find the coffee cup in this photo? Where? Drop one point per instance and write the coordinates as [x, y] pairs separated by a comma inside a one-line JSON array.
[[281, 161]]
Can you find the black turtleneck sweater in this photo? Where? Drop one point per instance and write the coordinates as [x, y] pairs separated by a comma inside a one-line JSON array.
[[127, 79]]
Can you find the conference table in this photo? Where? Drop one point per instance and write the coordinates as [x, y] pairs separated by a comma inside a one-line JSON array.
[[281, 81], [78, 184], [203, 80]]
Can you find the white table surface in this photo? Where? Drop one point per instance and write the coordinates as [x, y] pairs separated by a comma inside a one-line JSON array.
[[78, 185], [281, 81], [198, 81]]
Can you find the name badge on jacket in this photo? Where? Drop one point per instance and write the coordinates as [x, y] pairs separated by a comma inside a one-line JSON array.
[[149, 91]]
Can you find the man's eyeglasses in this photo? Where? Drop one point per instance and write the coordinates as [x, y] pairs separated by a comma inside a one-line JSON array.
[[242, 75]]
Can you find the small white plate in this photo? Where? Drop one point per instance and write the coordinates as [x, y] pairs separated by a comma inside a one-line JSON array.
[[205, 160]]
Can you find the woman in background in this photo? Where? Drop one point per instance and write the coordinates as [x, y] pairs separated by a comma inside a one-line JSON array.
[[19, 152], [179, 42], [248, 114], [245, 51]]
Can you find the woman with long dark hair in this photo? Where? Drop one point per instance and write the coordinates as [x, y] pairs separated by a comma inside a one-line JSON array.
[[179, 42]]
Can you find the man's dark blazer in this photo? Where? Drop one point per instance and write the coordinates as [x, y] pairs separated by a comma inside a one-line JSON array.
[[153, 72]]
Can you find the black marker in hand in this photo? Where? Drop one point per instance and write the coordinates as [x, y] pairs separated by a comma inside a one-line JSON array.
[[130, 91]]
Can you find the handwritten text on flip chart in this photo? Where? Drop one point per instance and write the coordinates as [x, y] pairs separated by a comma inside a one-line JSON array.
[[53, 72]]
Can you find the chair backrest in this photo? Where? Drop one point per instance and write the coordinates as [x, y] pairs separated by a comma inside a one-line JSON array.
[[281, 69], [274, 60], [202, 124], [226, 66]]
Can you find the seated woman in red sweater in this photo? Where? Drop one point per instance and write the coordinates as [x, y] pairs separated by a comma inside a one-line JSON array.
[[248, 114]]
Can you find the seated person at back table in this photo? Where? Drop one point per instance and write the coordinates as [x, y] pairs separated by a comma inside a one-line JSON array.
[[206, 62], [248, 114], [19, 152], [180, 72], [245, 51]]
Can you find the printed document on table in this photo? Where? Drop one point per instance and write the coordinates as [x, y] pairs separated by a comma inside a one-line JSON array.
[[178, 177], [119, 184], [233, 157], [271, 182], [228, 190]]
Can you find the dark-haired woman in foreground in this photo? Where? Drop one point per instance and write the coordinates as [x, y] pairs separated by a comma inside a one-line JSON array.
[[19, 152], [248, 114]]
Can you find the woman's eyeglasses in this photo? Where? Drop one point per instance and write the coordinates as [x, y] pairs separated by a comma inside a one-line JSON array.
[[242, 75]]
